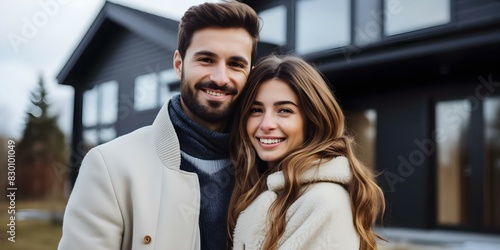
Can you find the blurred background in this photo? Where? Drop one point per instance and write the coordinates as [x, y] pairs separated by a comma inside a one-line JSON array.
[[419, 82], [36, 111]]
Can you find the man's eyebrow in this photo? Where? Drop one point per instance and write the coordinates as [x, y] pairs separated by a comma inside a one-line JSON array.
[[239, 59], [205, 53]]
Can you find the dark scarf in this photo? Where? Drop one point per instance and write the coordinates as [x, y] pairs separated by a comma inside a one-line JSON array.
[[206, 153]]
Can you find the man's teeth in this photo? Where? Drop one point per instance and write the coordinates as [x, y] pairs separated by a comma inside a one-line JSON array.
[[215, 93], [270, 141]]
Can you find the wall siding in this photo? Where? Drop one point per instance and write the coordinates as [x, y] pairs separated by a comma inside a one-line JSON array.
[[474, 10], [123, 58]]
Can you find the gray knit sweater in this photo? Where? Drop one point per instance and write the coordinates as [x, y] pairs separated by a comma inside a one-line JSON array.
[[206, 153]]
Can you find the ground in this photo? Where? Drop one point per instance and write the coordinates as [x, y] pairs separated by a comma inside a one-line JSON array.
[[30, 234]]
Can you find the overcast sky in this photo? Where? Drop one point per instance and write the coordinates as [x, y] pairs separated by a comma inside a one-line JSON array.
[[37, 37]]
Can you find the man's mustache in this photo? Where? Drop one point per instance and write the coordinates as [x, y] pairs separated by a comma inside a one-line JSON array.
[[214, 86]]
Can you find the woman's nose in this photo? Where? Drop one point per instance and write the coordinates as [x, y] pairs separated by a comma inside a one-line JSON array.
[[268, 122]]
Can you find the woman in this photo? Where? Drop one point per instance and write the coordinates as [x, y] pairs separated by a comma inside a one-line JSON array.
[[298, 183]]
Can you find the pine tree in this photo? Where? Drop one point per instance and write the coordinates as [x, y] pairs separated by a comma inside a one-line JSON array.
[[41, 145]]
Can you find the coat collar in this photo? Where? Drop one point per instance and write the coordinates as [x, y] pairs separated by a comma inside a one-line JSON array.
[[336, 170], [166, 141]]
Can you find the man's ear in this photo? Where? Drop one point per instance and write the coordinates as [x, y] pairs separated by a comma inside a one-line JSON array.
[[177, 64]]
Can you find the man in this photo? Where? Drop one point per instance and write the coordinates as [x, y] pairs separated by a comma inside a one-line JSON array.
[[167, 186]]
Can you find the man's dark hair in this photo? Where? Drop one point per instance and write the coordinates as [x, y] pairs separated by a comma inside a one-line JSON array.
[[229, 14]]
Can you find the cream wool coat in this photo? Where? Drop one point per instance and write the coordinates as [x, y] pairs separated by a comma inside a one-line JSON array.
[[131, 194], [320, 219]]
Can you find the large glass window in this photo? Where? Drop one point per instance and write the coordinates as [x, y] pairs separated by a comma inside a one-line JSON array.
[[363, 126], [367, 22], [273, 29], [492, 161], [322, 25], [100, 112], [154, 89], [452, 125], [409, 15]]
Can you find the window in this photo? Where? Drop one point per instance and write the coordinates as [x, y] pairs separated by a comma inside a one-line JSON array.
[[146, 92], [154, 89], [452, 126], [90, 109], [90, 137], [108, 96], [468, 163], [491, 116], [93, 137], [408, 15], [322, 25], [367, 22], [363, 126], [273, 29], [169, 85], [100, 112]]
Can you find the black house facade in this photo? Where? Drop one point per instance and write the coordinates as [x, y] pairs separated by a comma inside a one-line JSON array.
[[419, 82], [118, 70]]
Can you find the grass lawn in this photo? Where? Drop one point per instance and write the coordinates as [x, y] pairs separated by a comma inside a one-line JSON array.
[[31, 234]]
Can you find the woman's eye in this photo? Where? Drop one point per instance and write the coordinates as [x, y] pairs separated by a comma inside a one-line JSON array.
[[285, 110], [255, 110]]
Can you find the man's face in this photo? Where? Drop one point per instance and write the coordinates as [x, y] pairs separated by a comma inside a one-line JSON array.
[[213, 73]]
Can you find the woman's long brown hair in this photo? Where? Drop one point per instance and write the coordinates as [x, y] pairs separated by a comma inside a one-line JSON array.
[[325, 139]]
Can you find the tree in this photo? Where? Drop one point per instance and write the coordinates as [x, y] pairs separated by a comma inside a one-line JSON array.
[[42, 144]]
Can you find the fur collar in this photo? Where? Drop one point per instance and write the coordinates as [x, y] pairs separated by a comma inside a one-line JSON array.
[[336, 170]]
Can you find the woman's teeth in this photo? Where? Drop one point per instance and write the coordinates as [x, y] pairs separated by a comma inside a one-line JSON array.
[[270, 141]]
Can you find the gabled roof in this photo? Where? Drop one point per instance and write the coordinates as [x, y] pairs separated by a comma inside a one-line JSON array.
[[159, 30]]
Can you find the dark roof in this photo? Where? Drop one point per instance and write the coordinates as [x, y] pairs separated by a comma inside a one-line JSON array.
[[159, 30]]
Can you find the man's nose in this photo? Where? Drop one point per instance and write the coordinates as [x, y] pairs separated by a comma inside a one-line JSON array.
[[220, 76]]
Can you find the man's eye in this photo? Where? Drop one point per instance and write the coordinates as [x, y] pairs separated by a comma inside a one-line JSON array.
[[207, 60], [238, 65]]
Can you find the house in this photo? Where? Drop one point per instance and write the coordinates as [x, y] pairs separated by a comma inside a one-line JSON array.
[[122, 74], [419, 82], [117, 70]]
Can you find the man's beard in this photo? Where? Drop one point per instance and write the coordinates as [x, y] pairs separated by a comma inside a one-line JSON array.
[[215, 111]]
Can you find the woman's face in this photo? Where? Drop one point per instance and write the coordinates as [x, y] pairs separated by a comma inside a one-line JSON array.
[[276, 122]]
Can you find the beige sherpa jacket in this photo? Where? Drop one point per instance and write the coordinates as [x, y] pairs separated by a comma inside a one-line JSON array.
[[320, 219]]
